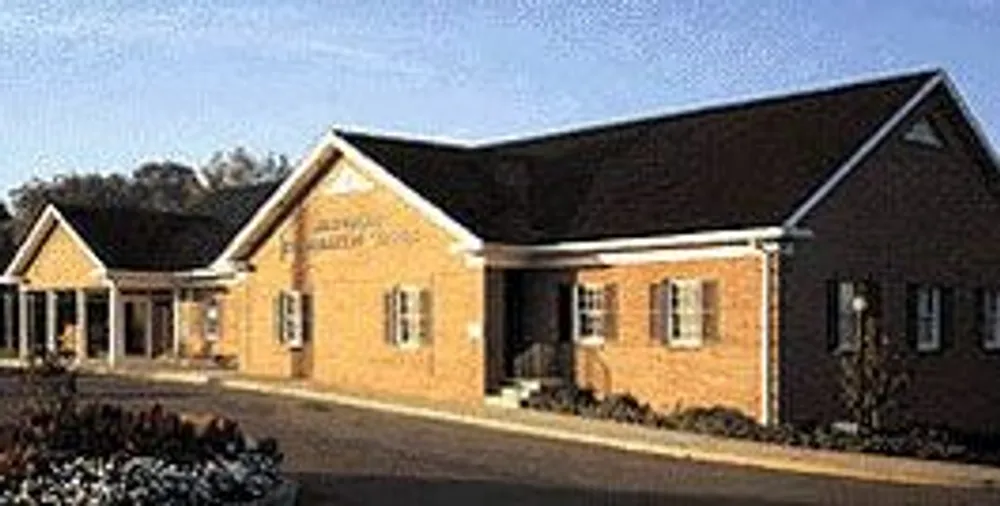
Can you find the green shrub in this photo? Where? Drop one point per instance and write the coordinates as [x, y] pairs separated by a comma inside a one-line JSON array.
[[926, 443]]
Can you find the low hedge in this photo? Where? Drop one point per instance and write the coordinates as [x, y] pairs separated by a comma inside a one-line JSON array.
[[920, 442]]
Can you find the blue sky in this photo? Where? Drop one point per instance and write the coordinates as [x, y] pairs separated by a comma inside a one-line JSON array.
[[102, 86]]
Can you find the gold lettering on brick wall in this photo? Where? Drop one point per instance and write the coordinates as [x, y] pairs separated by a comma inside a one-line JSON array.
[[345, 233]]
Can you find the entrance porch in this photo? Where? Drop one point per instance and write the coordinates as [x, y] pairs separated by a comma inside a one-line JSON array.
[[528, 343], [105, 324]]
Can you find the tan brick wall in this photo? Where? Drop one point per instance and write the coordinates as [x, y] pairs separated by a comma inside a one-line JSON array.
[[60, 263], [909, 214], [348, 347], [725, 371]]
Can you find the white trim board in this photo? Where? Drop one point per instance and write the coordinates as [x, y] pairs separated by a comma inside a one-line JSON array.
[[864, 151], [971, 120], [50, 217], [616, 258], [359, 160], [411, 197], [276, 200], [642, 243]]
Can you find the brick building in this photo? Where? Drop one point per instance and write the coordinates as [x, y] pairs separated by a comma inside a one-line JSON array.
[[706, 257]]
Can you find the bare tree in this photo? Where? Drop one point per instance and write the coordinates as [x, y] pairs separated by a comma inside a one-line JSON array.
[[874, 377]]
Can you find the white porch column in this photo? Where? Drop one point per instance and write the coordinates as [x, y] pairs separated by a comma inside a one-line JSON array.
[[116, 327], [175, 311], [22, 323], [148, 305], [81, 324], [8, 320], [50, 320]]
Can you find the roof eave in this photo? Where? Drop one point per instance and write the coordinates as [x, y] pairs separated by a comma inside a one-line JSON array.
[[715, 237]]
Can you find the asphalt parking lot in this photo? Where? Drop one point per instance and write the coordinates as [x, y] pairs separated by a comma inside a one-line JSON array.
[[347, 456]]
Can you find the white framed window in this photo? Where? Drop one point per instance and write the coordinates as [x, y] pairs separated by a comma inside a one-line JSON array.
[[928, 318], [847, 318], [409, 316], [590, 313], [990, 311], [688, 311], [212, 319], [290, 316]]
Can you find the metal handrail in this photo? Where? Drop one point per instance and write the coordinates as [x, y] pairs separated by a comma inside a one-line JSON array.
[[545, 360]]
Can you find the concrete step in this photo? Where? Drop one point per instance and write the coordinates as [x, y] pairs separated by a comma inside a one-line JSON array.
[[529, 386], [503, 401]]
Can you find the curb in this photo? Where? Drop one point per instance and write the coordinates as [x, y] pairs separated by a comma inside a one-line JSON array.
[[793, 459], [760, 455], [287, 494]]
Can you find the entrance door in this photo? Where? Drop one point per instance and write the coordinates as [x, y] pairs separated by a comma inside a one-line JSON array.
[[37, 316], [514, 341], [138, 326], [163, 327], [97, 325]]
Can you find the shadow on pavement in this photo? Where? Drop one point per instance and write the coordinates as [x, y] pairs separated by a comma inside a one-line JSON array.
[[319, 489]]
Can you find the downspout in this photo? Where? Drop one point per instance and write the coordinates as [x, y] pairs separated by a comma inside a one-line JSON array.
[[766, 294]]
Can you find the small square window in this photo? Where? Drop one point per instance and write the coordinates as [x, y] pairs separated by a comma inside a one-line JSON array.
[[409, 313], [212, 319], [926, 316], [688, 311], [590, 312], [291, 315], [990, 311]]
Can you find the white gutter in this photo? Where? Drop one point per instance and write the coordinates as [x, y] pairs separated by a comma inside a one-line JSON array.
[[700, 238], [766, 294], [165, 277]]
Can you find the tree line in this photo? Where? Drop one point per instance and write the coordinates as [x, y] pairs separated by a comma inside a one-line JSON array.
[[161, 186]]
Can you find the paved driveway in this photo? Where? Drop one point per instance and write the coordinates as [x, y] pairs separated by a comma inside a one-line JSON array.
[[346, 456]]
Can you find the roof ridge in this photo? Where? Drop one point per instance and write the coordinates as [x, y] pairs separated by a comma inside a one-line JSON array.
[[709, 107], [128, 208], [405, 138]]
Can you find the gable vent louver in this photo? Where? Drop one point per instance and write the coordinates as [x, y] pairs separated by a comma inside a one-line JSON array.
[[922, 132]]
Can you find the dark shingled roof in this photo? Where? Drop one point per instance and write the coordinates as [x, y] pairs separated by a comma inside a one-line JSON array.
[[726, 167], [234, 206], [137, 239], [8, 247]]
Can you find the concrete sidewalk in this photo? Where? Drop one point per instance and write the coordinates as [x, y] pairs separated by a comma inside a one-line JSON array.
[[632, 438]]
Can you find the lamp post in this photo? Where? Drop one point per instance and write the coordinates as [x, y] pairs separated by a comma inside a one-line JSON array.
[[859, 305]]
